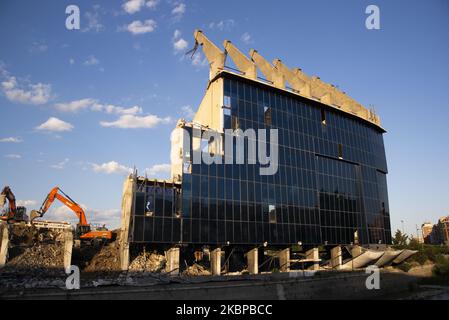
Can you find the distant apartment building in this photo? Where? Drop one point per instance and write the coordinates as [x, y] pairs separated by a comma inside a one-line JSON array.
[[437, 233], [427, 229]]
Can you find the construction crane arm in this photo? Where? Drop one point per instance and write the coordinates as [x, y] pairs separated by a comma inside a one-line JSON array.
[[66, 200]]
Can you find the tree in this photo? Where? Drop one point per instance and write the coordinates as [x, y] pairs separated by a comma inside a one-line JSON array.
[[400, 239]]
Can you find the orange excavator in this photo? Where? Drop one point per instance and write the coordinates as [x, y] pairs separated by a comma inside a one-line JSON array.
[[7, 194], [14, 214], [84, 230]]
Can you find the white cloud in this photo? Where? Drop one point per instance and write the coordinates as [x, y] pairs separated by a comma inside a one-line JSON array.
[[111, 167], [93, 21], [11, 140], [55, 124], [180, 45], [35, 94], [139, 27], [179, 9], [133, 6], [91, 61], [223, 25], [135, 122], [199, 60], [72, 61], [187, 112], [61, 165], [13, 156], [159, 171], [74, 106], [109, 217], [38, 47], [94, 105], [26, 203], [111, 109], [246, 38], [152, 4]]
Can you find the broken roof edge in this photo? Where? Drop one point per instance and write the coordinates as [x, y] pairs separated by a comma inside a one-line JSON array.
[[221, 73], [278, 74]]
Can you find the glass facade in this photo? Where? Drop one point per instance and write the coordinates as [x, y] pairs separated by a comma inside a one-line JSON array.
[[330, 186]]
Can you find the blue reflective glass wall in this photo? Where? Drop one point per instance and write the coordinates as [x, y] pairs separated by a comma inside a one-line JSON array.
[[330, 187]]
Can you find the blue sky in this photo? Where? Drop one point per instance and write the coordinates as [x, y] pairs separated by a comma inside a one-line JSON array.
[[68, 98]]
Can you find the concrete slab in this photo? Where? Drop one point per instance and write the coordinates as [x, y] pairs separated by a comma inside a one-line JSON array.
[[388, 257], [252, 258], [405, 254], [362, 260], [172, 257], [4, 236], [336, 258], [68, 246], [215, 262], [129, 187], [284, 260]]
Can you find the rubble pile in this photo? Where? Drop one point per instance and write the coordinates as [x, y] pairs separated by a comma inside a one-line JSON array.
[[32, 248], [196, 270], [92, 258], [148, 262], [105, 258], [37, 256]]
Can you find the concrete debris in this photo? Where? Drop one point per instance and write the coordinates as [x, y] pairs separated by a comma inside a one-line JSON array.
[[196, 270], [37, 256], [148, 262], [105, 258]]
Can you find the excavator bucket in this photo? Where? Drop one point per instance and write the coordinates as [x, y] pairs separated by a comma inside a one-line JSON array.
[[35, 214]]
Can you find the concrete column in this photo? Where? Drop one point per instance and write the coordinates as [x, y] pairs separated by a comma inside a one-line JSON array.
[[284, 260], [336, 258], [356, 251], [215, 262], [4, 236], [172, 265], [252, 257], [129, 187], [68, 246], [314, 254]]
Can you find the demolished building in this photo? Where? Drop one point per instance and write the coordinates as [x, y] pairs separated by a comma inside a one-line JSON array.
[[329, 187]]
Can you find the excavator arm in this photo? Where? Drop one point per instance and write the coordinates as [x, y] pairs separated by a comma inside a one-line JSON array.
[[83, 229], [57, 193]]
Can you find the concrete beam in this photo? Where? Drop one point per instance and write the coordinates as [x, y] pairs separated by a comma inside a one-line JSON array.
[[129, 187], [4, 236], [284, 260], [242, 62], [336, 258], [68, 246], [214, 55], [356, 251], [314, 254], [215, 262], [172, 264], [271, 73], [252, 258]]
